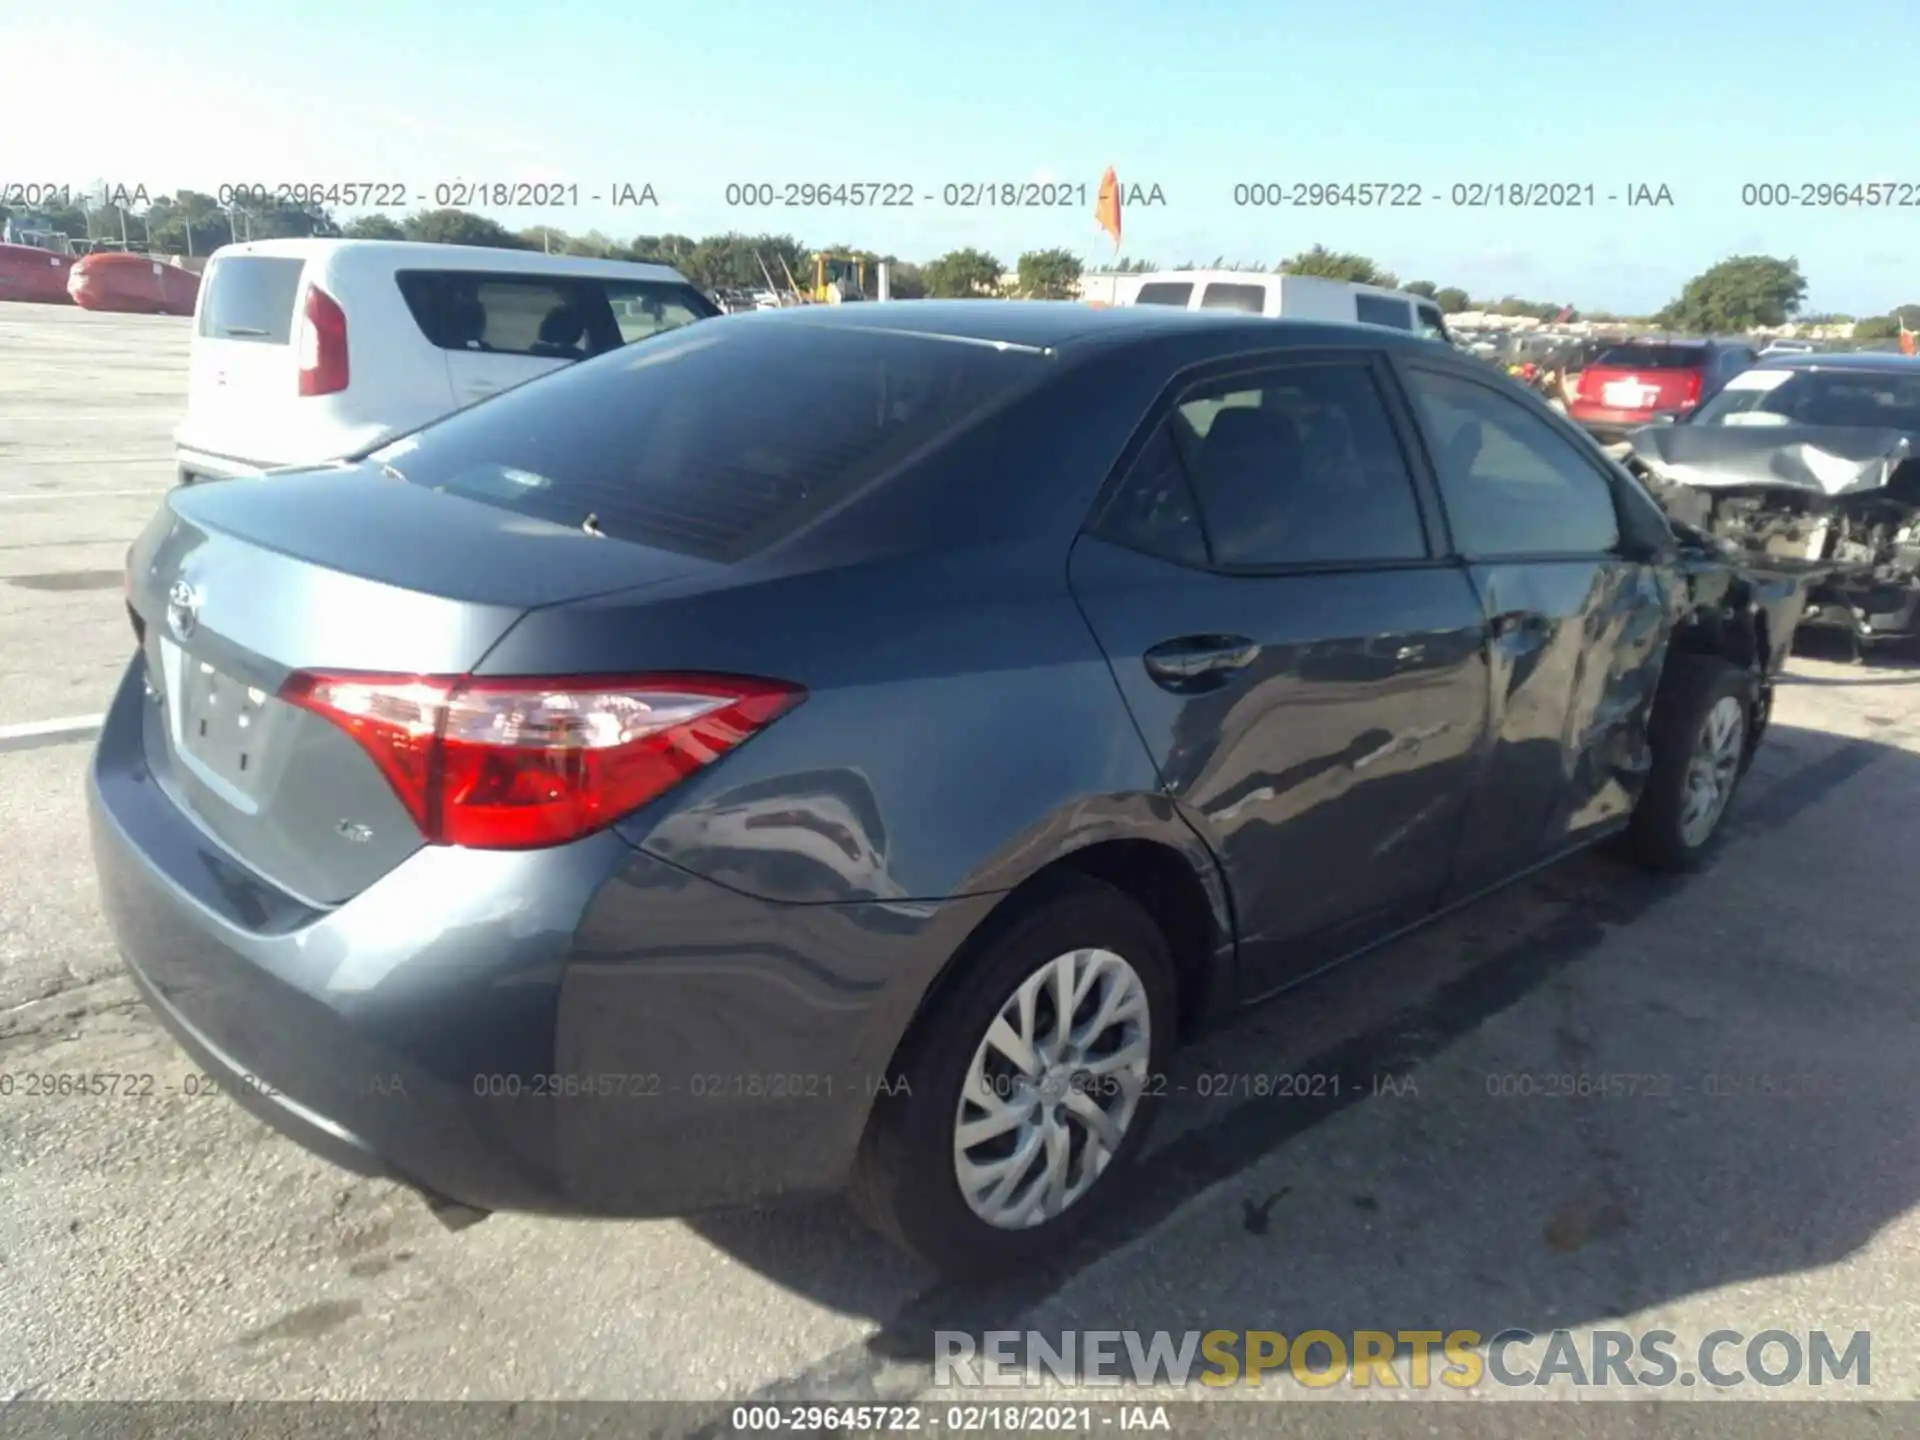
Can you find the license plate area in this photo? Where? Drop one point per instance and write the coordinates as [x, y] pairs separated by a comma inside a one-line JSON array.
[[1628, 395], [221, 728]]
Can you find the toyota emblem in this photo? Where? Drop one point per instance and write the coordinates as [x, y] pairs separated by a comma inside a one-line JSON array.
[[183, 608]]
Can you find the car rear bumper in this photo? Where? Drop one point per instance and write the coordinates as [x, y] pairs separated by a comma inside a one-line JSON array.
[[194, 466], [580, 1030]]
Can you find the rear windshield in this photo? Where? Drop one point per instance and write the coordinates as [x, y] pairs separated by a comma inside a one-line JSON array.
[[250, 297], [1652, 357], [553, 317], [1163, 293], [716, 441]]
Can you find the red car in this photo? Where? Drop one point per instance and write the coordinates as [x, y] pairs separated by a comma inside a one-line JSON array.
[[1642, 382]]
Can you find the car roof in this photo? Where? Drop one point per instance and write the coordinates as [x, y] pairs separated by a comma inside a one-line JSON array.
[[1068, 324], [1885, 360], [413, 254]]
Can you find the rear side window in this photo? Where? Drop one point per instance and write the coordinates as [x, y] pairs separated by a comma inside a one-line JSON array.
[[1432, 324], [714, 444], [1378, 310], [1512, 485], [1162, 292], [1250, 299], [1154, 511], [1298, 465], [549, 317], [251, 297], [1652, 357]]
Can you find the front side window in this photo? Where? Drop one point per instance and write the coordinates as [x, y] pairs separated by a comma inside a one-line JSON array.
[[1511, 484], [644, 308]]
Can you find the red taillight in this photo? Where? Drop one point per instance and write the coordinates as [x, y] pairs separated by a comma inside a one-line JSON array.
[[1690, 392], [323, 344], [496, 764]]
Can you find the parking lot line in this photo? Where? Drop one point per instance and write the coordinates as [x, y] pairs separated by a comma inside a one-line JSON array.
[[48, 732]]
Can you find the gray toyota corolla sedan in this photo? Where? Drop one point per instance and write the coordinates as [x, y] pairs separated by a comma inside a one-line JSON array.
[[842, 749]]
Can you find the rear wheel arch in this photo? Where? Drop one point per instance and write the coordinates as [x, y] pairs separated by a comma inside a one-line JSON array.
[[1185, 901]]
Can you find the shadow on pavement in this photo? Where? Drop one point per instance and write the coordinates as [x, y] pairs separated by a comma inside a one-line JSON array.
[[1461, 1200]]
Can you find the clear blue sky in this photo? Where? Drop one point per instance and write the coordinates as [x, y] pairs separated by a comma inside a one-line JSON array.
[[1196, 98]]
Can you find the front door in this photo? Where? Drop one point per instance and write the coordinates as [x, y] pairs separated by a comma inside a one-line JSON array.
[[1575, 630]]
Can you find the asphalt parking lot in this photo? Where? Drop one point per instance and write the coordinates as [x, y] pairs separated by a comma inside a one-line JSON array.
[[169, 1247]]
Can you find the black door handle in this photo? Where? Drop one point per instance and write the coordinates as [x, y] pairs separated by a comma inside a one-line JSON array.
[[1199, 662]]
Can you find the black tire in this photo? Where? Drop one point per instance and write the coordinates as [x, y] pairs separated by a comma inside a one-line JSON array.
[[1691, 688], [904, 1183]]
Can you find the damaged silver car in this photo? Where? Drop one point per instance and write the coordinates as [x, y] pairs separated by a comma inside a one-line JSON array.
[[1813, 464]]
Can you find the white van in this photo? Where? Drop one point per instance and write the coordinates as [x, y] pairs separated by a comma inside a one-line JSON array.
[[308, 350], [1292, 297]]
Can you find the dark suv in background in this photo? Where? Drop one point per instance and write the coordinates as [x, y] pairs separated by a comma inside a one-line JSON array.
[[1643, 381]]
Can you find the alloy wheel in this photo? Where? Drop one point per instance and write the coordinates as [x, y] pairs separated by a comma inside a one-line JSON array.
[[1052, 1088], [1713, 770]]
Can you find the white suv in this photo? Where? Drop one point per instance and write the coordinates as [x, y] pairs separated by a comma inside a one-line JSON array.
[[308, 350], [1289, 297]]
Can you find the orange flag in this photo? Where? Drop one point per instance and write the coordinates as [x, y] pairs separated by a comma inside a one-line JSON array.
[[1106, 209]]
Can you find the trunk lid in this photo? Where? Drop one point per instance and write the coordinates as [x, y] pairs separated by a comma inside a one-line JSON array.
[[235, 587]]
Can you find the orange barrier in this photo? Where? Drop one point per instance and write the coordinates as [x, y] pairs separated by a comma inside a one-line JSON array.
[[34, 275], [132, 284]]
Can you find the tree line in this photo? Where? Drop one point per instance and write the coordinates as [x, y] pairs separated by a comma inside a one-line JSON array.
[[1741, 293]]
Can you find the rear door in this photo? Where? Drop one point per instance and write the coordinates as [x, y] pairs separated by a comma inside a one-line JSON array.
[[242, 369], [1575, 628], [1309, 677]]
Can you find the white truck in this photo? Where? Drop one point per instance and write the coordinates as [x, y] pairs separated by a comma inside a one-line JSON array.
[[1252, 292]]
